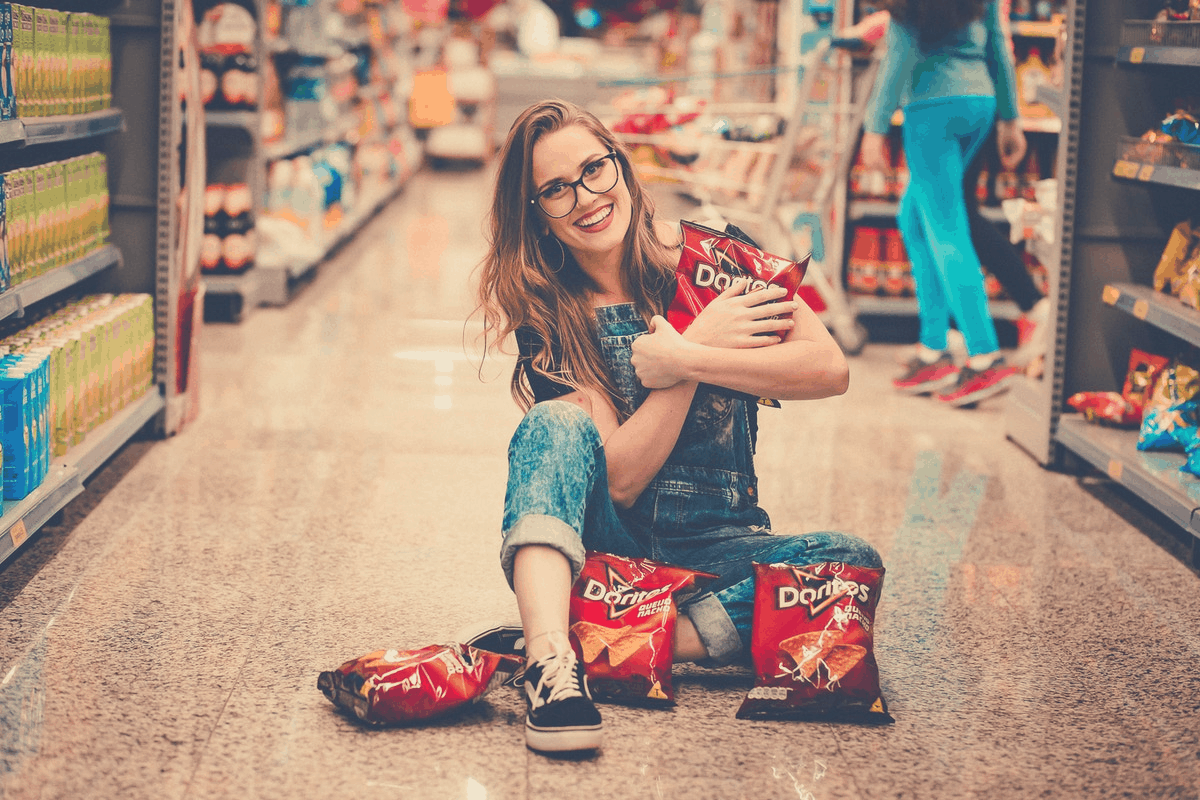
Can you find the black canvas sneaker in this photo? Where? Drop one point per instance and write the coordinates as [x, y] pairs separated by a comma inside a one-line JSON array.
[[506, 638], [560, 714]]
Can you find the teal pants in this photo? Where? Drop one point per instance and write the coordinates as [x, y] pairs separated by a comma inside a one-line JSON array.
[[941, 138]]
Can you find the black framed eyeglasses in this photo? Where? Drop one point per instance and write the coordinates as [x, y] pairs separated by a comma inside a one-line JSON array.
[[559, 199]]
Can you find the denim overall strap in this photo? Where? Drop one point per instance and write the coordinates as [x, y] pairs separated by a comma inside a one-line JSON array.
[[708, 481]]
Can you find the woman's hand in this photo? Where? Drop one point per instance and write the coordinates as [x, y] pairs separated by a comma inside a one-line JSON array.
[[738, 320], [873, 152], [1010, 141], [659, 355]]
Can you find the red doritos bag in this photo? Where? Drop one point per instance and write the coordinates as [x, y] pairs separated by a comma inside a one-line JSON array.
[[711, 259], [390, 687], [623, 625], [812, 643]]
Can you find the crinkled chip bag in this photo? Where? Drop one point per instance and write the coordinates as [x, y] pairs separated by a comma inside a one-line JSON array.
[[1109, 408], [710, 260], [1172, 404], [1143, 371], [394, 687], [622, 618], [813, 644]]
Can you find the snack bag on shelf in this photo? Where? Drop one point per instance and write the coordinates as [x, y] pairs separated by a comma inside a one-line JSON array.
[[1171, 405], [622, 614], [1168, 274], [1140, 377], [393, 687], [813, 644], [1106, 408]]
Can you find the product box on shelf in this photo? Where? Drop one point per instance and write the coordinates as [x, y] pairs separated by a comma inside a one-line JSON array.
[[23, 60], [8, 106], [5, 265]]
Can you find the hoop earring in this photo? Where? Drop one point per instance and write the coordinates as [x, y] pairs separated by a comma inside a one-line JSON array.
[[562, 253]]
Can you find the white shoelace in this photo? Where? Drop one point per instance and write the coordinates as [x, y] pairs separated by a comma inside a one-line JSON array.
[[558, 673]]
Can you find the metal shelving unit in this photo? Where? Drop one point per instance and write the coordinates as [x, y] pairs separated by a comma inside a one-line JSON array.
[[273, 281], [63, 128], [1162, 311], [16, 299], [869, 306], [1115, 217], [143, 254], [887, 209]]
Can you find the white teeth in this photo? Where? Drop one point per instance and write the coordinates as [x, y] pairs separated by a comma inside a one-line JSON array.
[[595, 219]]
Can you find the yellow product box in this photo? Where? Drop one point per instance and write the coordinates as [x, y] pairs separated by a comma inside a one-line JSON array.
[[105, 36], [59, 212], [23, 59], [102, 222], [41, 220], [43, 55]]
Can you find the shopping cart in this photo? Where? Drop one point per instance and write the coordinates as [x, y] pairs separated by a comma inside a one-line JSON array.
[[777, 168]]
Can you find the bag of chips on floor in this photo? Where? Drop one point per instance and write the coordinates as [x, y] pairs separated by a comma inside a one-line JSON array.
[[1172, 404], [393, 687], [622, 615], [813, 644], [711, 260]]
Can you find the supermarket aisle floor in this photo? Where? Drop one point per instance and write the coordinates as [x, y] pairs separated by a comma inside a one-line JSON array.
[[341, 493]]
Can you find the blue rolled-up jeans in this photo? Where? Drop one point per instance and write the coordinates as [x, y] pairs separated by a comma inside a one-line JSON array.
[[558, 496]]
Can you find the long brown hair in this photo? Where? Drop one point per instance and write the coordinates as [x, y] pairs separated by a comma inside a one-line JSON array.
[[526, 281], [935, 19]]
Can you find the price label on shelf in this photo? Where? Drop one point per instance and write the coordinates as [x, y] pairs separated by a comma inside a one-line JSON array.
[[1126, 169], [1140, 309], [1136, 55], [1111, 295], [19, 533], [1115, 469], [1146, 172]]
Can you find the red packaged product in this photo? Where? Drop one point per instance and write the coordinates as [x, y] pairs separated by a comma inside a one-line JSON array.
[[1144, 369], [711, 259], [813, 643], [393, 687], [1106, 407], [622, 615]]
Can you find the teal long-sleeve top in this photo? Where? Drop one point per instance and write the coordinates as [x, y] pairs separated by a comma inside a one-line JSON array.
[[973, 60]]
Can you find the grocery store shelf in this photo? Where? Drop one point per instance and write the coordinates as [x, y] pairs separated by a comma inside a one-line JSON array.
[[1152, 475], [237, 293], [1153, 42], [1163, 311], [62, 128], [291, 145], [283, 46], [1162, 163], [232, 119], [886, 209], [870, 306], [1037, 29], [16, 299], [1028, 124], [276, 280], [65, 479], [106, 439], [1052, 98]]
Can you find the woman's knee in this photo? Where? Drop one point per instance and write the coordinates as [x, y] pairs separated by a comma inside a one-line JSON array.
[[556, 424], [835, 546]]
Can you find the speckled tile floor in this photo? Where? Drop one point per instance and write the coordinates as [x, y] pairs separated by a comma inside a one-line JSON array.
[[342, 493]]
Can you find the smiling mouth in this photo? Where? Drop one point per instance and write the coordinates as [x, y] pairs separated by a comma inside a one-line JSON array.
[[595, 219]]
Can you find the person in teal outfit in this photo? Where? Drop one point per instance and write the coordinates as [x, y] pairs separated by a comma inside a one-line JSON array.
[[948, 66]]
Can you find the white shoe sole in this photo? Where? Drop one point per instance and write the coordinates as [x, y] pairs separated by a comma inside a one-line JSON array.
[[563, 740], [929, 387], [991, 391]]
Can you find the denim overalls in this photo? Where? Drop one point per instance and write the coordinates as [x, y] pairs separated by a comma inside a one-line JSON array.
[[700, 511]]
